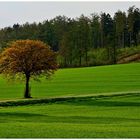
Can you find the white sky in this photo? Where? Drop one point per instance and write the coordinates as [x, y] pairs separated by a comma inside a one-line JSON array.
[[21, 12]]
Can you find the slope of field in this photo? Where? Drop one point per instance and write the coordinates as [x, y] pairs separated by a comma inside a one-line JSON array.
[[110, 117], [79, 81], [87, 115]]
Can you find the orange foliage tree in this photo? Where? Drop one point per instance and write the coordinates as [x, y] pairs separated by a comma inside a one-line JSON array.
[[28, 58]]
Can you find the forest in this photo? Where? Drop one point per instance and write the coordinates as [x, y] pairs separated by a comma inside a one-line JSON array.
[[97, 39]]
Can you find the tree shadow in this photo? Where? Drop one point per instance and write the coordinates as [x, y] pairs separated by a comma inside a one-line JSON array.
[[8, 117], [16, 116], [101, 102]]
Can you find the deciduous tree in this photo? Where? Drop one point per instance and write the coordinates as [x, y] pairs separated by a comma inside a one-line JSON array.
[[29, 58]]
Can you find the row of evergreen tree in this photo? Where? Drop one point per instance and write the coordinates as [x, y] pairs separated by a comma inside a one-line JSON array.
[[75, 38]]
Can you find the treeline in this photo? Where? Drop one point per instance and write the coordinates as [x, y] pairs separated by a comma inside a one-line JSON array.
[[82, 41]]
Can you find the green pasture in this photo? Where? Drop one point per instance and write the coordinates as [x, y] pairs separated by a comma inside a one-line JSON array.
[[95, 117], [110, 117], [79, 81]]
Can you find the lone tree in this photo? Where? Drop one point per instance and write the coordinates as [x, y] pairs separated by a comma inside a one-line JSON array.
[[29, 59]]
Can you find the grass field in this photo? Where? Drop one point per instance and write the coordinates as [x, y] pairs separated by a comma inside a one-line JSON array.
[[102, 117], [79, 81], [112, 117]]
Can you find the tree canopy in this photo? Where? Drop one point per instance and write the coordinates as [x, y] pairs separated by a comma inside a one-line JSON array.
[[77, 39]]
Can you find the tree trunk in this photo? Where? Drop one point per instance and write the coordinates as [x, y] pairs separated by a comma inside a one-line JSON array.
[[86, 57], [102, 40], [123, 37], [27, 90], [114, 51], [130, 39], [71, 59], [80, 60]]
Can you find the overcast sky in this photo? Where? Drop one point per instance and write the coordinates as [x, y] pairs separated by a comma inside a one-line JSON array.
[[21, 12]]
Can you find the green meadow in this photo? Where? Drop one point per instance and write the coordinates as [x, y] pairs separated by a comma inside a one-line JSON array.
[[79, 81], [112, 117], [101, 117]]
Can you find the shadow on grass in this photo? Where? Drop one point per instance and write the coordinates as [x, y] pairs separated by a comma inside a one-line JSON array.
[[18, 114], [72, 99], [8, 117], [102, 102]]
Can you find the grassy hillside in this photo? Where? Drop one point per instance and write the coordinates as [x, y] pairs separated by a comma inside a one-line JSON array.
[[111, 117], [79, 81], [97, 116]]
